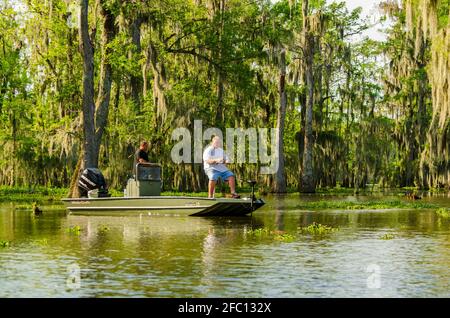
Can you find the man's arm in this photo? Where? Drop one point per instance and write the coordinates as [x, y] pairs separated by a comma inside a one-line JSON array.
[[207, 159], [225, 159]]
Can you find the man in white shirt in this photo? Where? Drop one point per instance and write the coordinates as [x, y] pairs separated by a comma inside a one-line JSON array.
[[214, 163]]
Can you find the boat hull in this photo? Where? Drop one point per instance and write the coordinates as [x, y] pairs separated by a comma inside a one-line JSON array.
[[162, 205]]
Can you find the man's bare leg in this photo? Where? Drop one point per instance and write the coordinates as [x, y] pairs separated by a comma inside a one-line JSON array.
[[232, 183], [211, 188]]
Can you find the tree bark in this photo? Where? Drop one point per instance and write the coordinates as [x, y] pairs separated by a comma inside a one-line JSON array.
[[220, 96], [87, 52], [308, 182], [279, 183], [95, 115], [136, 81], [104, 92], [74, 191]]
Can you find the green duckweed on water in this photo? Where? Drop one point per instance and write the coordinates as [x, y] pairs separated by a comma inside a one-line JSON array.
[[258, 232], [41, 242], [267, 233], [317, 229], [38, 194], [387, 236], [4, 243], [286, 237], [443, 212], [76, 229], [369, 205]]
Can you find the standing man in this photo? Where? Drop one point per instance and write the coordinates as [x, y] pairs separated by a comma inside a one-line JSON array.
[[214, 163]]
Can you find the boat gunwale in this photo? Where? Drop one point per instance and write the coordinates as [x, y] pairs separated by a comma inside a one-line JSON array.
[[157, 197], [144, 208]]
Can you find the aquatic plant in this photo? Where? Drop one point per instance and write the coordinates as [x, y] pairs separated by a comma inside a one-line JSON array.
[[4, 243], [373, 205], [36, 210], [76, 229], [387, 236], [37, 194], [318, 229], [356, 207], [102, 229], [272, 234], [258, 232], [443, 212], [42, 242], [285, 237]]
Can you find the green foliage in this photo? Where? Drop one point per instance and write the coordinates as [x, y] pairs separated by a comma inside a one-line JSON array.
[[270, 234], [4, 243], [76, 230], [41, 242], [317, 229], [371, 205], [443, 212], [35, 194], [175, 61], [260, 232], [387, 236], [285, 237]]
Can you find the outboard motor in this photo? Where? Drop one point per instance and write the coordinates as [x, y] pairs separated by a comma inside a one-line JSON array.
[[92, 184]]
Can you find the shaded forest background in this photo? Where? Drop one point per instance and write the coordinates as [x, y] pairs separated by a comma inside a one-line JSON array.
[[353, 112]]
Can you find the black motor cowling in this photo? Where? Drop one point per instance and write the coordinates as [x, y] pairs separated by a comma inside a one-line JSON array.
[[92, 179]]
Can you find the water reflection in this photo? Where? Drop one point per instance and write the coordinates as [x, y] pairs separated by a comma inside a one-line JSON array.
[[216, 257]]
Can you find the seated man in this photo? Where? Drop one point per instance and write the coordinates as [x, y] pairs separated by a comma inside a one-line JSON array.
[[141, 155], [214, 160]]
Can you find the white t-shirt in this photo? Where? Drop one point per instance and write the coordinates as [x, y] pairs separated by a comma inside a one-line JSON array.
[[214, 153]]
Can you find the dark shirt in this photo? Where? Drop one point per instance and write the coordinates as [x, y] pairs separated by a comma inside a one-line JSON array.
[[140, 154]]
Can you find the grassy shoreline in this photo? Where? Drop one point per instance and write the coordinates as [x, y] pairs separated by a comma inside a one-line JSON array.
[[368, 205]]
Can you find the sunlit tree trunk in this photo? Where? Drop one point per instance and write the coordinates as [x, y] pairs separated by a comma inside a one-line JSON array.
[[279, 182], [136, 81], [95, 115], [308, 182], [104, 92]]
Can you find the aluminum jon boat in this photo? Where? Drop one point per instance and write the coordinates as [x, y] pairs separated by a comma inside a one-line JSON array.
[[142, 196], [163, 205]]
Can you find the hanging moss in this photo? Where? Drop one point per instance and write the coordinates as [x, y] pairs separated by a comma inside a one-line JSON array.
[[435, 163]]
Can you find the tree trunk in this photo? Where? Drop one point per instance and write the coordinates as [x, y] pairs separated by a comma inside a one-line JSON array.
[[87, 52], [145, 69], [308, 182], [159, 85], [220, 96], [279, 183], [95, 116], [300, 136], [136, 81], [74, 192], [104, 92]]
